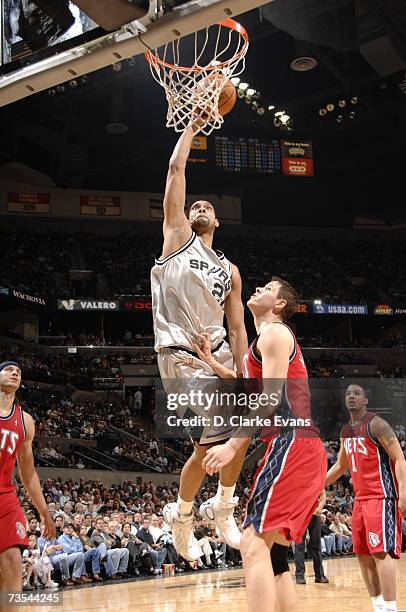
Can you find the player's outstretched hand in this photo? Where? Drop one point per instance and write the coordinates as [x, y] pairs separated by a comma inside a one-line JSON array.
[[218, 457], [49, 531], [203, 347]]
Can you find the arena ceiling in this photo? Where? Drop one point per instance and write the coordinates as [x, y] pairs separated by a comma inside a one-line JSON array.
[[360, 50]]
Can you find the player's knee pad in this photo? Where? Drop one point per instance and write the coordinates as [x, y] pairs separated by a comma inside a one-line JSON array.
[[279, 558]]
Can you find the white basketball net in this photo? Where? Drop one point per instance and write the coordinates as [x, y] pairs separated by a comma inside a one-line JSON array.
[[193, 91]]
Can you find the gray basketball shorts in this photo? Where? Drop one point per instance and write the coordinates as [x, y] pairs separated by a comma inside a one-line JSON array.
[[183, 372]]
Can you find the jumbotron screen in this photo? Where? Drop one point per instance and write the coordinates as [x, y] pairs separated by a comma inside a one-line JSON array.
[[31, 29]]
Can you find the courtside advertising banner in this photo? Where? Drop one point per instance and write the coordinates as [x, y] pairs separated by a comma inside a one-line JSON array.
[[106, 305], [344, 309]]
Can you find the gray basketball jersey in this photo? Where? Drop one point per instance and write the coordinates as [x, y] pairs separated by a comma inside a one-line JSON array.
[[189, 289]]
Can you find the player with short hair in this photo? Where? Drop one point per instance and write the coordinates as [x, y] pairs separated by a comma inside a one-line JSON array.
[[16, 435], [291, 475], [371, 451], [193, 286]]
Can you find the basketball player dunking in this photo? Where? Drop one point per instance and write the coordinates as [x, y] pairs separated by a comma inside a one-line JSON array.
[[16, 436], [291, 475], [371, 451], [193, 286]]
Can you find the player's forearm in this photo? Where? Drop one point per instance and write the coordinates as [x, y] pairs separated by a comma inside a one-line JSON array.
[[32, 485], [239, 443], [334, 473], [400, 471], [181, 151], [239, 346], [220, 370]]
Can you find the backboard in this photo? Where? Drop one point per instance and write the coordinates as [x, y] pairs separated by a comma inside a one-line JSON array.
[[83, 46]]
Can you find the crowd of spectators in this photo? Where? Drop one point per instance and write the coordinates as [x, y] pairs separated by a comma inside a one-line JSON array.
[[336, 271], [85, 338], [118, 531], [83, 371]]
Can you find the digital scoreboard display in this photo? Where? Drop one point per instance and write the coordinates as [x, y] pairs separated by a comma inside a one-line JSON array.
[[248, 155]]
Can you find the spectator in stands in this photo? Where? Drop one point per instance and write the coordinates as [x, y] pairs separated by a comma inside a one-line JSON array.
[[343, 535], [58, 558], [33, 528], [139, 555], [92, 554], [158, 551], [73, 548], [40, 566], [328, 538], [59, 522]]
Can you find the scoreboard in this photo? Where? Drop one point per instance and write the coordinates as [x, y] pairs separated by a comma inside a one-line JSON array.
[[248, 155], [255, 156]]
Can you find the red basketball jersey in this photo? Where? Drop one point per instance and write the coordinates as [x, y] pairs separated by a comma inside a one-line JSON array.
[[372, 471], [296, 397], [12, 433]]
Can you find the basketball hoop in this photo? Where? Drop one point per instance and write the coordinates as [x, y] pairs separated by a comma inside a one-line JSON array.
[[193, 91]]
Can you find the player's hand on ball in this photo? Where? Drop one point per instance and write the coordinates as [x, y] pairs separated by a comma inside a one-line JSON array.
[[203, 347], [218, 457], [49, 531]]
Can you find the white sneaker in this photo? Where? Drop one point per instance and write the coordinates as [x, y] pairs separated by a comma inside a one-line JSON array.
[[181, 526], [51, 585], [222, 514]]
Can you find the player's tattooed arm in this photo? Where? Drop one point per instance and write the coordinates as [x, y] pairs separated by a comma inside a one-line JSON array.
[[383, 432]]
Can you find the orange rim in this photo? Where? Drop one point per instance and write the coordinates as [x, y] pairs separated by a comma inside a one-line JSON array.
[[231, 24]]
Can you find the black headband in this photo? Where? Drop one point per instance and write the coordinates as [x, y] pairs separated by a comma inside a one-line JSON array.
[[5, 364]]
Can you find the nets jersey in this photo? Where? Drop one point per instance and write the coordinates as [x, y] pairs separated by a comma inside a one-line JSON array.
[[372, 471], [296, 393], [12, 433], [189, 289]]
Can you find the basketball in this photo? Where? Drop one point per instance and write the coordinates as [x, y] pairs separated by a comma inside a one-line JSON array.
[[228, 95], [228, 98]]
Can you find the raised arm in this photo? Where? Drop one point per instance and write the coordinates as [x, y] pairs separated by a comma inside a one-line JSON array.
[[339, 468], [234, 311], [176, 227], [383, 432], [30, 478]]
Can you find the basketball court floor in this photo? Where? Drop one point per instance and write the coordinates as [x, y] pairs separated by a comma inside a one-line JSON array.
[[217, 591]]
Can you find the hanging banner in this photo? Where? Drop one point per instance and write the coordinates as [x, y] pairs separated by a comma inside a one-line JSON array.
[[105, 206], [28, 202]]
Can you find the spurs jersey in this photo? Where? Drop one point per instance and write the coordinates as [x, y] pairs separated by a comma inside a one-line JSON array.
[[296, 394], [189, 289], [372, 471], [12, 433]]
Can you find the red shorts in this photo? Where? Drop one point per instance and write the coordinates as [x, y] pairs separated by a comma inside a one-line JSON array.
[[287, 486], [13, 531], [377, 527]]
